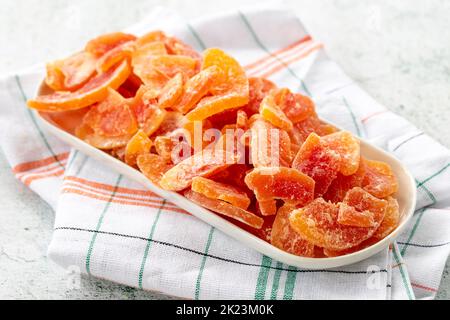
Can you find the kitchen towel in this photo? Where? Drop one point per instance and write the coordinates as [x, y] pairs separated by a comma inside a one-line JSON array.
[[112, 228]]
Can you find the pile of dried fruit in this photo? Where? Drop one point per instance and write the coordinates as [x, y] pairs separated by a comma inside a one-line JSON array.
[[241, 147]]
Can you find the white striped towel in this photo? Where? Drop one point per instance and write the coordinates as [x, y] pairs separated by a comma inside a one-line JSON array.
[[114, 229]]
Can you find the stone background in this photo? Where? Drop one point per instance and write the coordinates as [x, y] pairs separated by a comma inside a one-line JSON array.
[[403, 45]]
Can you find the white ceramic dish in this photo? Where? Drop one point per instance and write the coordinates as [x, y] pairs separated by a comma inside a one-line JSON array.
[[406, 197]]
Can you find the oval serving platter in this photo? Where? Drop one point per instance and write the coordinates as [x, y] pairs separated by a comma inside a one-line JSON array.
[[406, 197]]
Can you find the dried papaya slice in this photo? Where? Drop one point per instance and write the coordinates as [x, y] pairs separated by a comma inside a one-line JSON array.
[[241, 119], [317, 223], [96, 89], [71, 73], [360, 209], [140, 61], [269, 146], [301, 130], [281, 183], [270, 111], [234, 175], [152, 36], [220, 191], [164, 146], [115, 56], [304, 107], [234, 78], [225, 209], [267, 207], [152, 166], [339, 187], [203, 164], [285, 238], [379, 179], [171, 92], [349, 216], [107, 143], [171, 65], [391, 219], [177, 47], [211, 105], [365, 244], [347, 146], [84, 132], [173, 45], [229, 91], [173, 121], [319, 162], [138, 144], [112, 117], [325, 129], [196, 88], [258, 89], [296, 107], [104, 43], [147, 111]]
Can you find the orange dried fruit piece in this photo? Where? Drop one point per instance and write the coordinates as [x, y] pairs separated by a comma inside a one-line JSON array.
[[269, 146], [349, 216], [84, 132], [360, 209], [225, 209], [196, 133], [96, 89], [271, 112], [339, 187], [258, 89], [317, 223], [283, 183], [177, 47], [347, 146], [234, 175], [196, 88], [301, 130], [71, 73], [148, 114], [142, 55], [325, 129], [302, 109], [164, 146], [229, 91], [319, 162], [106, 143], [138, 144], [391, 219], [111, 117], [285, 238], [241, 119], [152, 36], [379, 179], [211, 105], [172, 44], [365, 244], [220, 191], [170, 65], [115, 56], [296, 107], [204, 163], [104, 43], [171, 92], [152, 166], [173, 121], [267, 207]]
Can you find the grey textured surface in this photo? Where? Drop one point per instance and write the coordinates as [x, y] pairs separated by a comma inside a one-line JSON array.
[[403, 45]]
